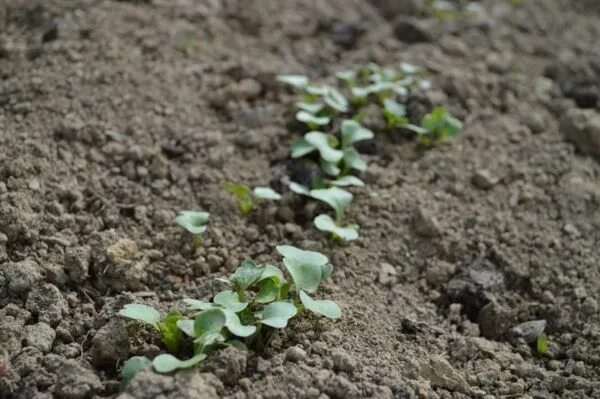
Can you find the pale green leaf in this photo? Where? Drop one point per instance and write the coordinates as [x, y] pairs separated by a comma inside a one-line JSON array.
[[352, 132], [144, 313], [301, 147], [298, 81], [325, 308], [192, 221], [230, 300], [310, 119], [306, 276], [209, 320], [347, 181], [235, 326], [133, 366], [277, 314], [321, 142], [311, 108], [353, 160], [302, 256], [198, 305], [266, 193], [326, 223], [187, 326], [166, 363], [335, 197], [299, 188]]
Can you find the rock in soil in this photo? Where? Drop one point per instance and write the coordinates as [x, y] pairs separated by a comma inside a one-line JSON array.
[[182, 385], [582, 127], [74, 381]]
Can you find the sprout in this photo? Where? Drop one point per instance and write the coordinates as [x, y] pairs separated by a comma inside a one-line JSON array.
[[194, 222], [347, 181], [311, 108], [395, 113], [167, 327], [439, 126], [133, 366], [248, 199]]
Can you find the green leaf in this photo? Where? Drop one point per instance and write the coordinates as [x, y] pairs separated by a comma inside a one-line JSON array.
[[302, 256], [391, 106], [246, 275], [317, 90], [329, 168], [417, 129], [166, 363], [187, 326], [326, 271], [326, 223], [144, 313], [298, 81], [235, 326], [277, 314], [299, 188], [301, 147], [335, 99], [335, 197], [322, 143], [306, 276], [347, 181], [198, 305], [170, 332], [542, 344], [230, 300], [239, 190], [409, 69], [208, 339], [353, 160], [271, 272], [268, 291], [352, 132], [312, 120], [133, 366], [321, 307], [347, 76], [311, 108], [211, 320], [266, 193], [192, 221]]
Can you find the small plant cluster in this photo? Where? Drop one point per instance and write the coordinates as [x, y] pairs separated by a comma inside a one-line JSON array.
[[259, 299], [335, 147]]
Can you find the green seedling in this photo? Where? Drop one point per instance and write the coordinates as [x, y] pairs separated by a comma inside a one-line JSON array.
[[437, 127], [248, 199], [260, 299], [327, 146], [395, 113], [310, 107], [339, 200], [194, 222], [167, 327]]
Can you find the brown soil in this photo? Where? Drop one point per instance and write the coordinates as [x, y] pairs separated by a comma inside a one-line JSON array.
[[114, 115]]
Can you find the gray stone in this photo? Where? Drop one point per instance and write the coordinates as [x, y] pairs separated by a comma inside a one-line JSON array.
[[530, 330], [441, 374], [21, 276], [47, 303], [387, 274], [40, 336], [228, 364], [425, 224], [343, 361], [74, 381], [582, 127], [182, 385], [295, 354], [77, 263], [484, 179], [110, 344]]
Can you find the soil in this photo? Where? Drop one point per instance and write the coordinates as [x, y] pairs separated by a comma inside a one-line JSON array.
[[114, 115]]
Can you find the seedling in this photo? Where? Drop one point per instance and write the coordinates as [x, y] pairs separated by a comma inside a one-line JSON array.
[[167, 327], [312, 121], [297, 81], [195, 223], [259, 300], [332, 151], [437, 127], [248, 199]]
